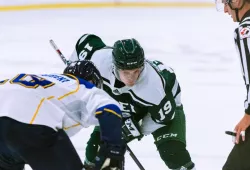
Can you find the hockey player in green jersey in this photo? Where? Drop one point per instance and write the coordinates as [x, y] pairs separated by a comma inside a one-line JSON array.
[[148, 92]]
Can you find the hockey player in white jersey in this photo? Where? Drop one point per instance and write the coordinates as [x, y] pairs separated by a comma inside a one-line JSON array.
[[148, 92], [33, 109]]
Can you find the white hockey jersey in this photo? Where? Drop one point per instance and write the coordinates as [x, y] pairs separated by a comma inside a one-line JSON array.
[[155, 96], [52, 100]]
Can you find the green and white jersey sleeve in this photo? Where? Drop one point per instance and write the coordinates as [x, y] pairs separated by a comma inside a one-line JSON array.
[[86, 46], [164, 111], [91, 47], [169, 76]]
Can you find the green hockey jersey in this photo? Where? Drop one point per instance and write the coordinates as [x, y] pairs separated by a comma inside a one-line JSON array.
[[156, 92]]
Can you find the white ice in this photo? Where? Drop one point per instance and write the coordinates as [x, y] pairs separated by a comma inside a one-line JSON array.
[[197, 43]]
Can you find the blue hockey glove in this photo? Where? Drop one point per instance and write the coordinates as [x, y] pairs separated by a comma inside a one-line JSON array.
[[110, 156]]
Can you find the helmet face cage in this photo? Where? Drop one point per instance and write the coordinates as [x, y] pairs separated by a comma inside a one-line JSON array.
[[86, 70], [128, 54]]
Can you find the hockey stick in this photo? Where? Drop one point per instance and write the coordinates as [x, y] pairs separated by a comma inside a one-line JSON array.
[[67, 62], [138, 163], [52, 43]]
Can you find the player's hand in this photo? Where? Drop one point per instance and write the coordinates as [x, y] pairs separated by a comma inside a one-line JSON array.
[[131, 130], [241, 128], [110, 156]]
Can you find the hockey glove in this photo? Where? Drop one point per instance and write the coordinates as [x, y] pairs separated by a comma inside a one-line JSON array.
[[110, 156], [131, 130]]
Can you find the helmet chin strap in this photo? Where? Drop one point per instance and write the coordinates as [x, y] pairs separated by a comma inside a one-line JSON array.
[[237, 15], [237, 10]]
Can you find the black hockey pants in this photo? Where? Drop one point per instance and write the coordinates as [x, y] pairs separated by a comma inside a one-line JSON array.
[[39, 146], [238, 158]]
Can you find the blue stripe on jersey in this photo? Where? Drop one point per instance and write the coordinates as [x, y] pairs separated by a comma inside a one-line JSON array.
[[87, 84], [110, 121], [62, 79]]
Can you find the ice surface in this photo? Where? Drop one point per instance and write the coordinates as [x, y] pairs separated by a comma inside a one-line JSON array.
[[197, 43]]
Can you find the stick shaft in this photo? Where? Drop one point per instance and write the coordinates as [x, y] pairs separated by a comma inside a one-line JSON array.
[[58, 51], [138, 163]]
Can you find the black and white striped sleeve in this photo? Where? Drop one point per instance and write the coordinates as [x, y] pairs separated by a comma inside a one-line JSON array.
[[242, 41]]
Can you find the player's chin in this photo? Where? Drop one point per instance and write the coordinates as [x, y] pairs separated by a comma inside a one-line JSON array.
[[130, 84]]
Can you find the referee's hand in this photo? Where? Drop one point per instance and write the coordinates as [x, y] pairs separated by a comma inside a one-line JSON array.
[[241, 127]]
